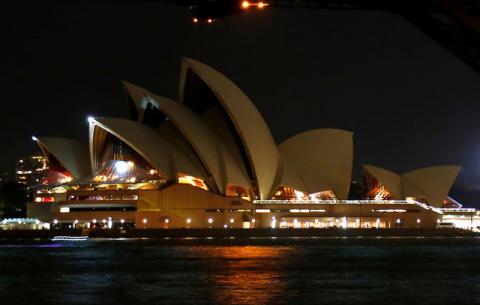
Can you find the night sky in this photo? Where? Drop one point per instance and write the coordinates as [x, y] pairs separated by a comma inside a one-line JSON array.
[[409, 102]]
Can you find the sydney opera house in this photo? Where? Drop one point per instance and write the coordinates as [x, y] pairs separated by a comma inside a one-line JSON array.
[[208, 160]]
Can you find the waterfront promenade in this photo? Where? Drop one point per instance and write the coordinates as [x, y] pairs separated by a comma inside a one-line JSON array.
[[205, 233]]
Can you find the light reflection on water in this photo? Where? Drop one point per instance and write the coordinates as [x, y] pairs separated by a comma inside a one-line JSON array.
[[240, 280], [242, 271]]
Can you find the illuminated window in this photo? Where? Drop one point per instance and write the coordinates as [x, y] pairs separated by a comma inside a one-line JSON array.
[[116, 170], [376, 190], [117, 162], [238, 191], [44, 199], [129, 197], [288, 193], [185, 179], [323, 195], [64, 210], [262, 210], [390, 210]]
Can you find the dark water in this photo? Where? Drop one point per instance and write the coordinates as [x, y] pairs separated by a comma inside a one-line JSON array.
[[242, 271]]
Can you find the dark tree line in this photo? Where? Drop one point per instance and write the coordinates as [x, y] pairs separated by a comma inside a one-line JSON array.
[[13, 198]]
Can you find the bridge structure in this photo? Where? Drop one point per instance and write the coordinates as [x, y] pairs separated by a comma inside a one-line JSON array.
[[454, 24]]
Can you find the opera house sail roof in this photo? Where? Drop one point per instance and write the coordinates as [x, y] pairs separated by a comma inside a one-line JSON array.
[[215, 138], [429, 184], [69, 158], [204, 90], [318, 160]]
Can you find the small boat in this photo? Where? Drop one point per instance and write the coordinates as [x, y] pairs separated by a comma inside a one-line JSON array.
[[69, 238]]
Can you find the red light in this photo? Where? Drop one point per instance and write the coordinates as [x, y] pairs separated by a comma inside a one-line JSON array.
[[44, 199]]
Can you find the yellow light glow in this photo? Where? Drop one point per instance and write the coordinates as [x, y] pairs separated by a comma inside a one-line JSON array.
[[289, 193], [183, 179], [66, 179], [245, 4], [410, 200], [299, 195], [261, 4], [195, 20], [100, 178], [322, 195], [262, 210], [152, 172], [239, 191], [64, 210]]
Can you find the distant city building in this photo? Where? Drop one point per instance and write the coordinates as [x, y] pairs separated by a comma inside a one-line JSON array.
[[31, 170], [6, 176]]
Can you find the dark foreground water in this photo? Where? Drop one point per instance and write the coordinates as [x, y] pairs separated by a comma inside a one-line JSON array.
[[242, 271]]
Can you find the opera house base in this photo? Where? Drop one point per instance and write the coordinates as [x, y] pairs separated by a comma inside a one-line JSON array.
[[176, 206], [182, 206]]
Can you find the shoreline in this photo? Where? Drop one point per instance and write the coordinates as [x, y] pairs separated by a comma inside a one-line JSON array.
[[263, 232]]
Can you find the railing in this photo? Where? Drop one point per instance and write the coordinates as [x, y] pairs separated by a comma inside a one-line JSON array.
[[316, 201], [329, 201], [427, 207], [461, 210]]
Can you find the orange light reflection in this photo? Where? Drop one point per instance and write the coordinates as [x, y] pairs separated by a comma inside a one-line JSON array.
[[247, 274]]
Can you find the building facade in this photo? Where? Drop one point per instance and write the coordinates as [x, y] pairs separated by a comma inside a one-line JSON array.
[[31, 170]]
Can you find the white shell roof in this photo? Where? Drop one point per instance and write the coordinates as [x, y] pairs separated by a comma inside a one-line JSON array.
[[72, 154], [212, 152], [255, 135], [322, 159]]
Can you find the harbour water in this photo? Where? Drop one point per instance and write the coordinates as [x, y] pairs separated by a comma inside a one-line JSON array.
[[241, 271]]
